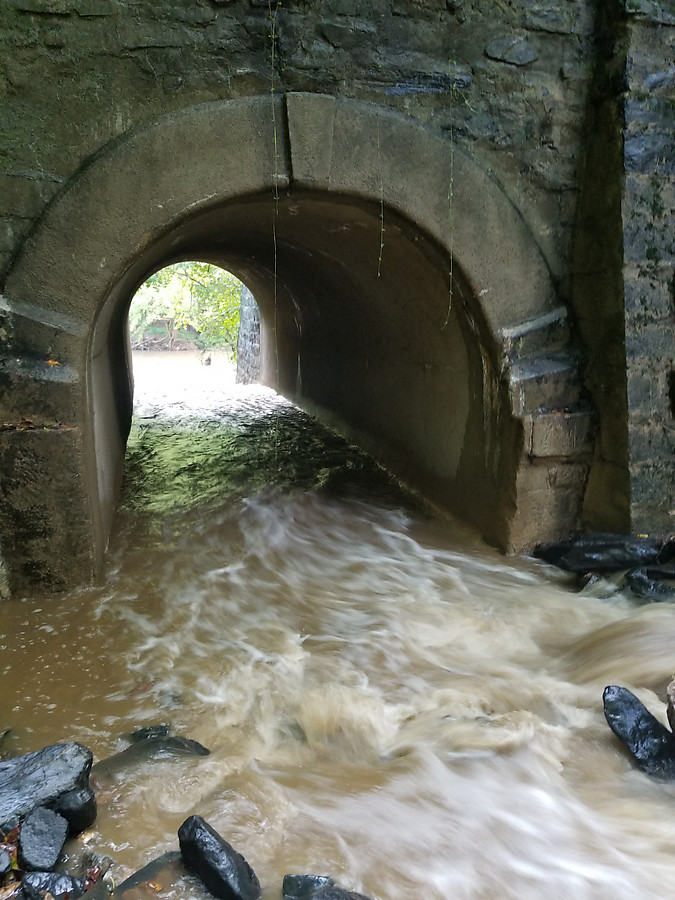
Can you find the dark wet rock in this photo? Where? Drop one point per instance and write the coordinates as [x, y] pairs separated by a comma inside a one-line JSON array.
[[601, 552], [78, 808], [649, 742], [41, 778], [224, 871], [166, 870], [150, 748], [512, 50], [316, 887], [336, 893], [43, 834], [667, 553], [670, 709], [36, 885], [5, 863], [649, 583], [149, 731], [299, 887]]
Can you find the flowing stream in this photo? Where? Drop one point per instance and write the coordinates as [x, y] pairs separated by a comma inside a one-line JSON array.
[[387, 700]]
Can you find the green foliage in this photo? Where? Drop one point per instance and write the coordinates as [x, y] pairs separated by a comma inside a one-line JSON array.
[[189, 295]]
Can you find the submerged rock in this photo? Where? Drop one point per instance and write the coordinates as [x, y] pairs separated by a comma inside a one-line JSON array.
[[149, 731], [224, 871], [143, 749], [649, 583], [601, 552], [649, 742], [300, 887], [42, 778], [165, 870], [316, 887], [41, 839]]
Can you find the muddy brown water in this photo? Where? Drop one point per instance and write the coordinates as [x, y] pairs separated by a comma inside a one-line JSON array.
[[387, 700]]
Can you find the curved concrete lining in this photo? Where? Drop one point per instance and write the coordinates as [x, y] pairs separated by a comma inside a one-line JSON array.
[[346, 221]]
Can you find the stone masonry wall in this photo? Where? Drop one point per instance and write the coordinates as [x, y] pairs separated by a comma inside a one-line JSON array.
[[510, 81], [505, 78], [648, 208]]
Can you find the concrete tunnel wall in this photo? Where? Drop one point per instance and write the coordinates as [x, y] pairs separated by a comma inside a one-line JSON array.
[[464, 385]]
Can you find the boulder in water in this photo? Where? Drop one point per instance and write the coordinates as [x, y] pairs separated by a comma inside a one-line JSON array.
[[649, 742], [224, 871], [42, 778], [141, 750], [650, 583], [602, 552], [316, 887], [300, 887]]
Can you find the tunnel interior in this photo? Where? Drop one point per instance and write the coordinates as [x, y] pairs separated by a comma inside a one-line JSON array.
[[362, 324]]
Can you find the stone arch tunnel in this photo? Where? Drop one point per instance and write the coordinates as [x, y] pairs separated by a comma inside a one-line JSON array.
[[426, 328], [454, 217]]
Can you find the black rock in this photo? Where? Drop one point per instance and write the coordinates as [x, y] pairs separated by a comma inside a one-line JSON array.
[[600, 552], [648, 583], [300, 887], [36, 884], [224, 871], [78, 808], [316, 887], [150, 748], [649, 742], [166, 870], [43, 834], [336, 893], [40, 778], [149, 731]]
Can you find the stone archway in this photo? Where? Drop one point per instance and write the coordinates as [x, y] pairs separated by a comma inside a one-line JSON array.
[[346, 220]]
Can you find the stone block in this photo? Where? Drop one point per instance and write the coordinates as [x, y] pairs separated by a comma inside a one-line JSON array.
[[549, 499], [650, 441], [511, 49], [649, 152], [650, 340], [45, 512], [648, 294], [653, 487], [347, 37], [561, 434]]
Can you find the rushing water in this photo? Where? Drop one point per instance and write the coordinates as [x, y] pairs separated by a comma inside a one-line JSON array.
[[386, 699]]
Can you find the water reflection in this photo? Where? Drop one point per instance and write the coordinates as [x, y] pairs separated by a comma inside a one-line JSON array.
[[386, 699]]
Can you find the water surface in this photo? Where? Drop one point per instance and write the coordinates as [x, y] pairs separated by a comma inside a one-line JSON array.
[[387, 700]]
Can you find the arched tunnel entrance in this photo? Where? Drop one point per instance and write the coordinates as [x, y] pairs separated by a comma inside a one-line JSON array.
[[359, 323], [401, 298]]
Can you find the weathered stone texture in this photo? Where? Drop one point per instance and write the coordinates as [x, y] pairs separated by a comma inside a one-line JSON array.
[[535, 90], [77, 74], [648, 209]]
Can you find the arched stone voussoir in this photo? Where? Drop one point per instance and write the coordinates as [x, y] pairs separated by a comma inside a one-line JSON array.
[[375, 152], [137, 187]]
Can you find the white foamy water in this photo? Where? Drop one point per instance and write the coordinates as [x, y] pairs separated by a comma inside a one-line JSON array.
[[387, 700]]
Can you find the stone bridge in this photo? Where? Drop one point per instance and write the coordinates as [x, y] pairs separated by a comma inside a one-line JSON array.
[[456, 217]]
